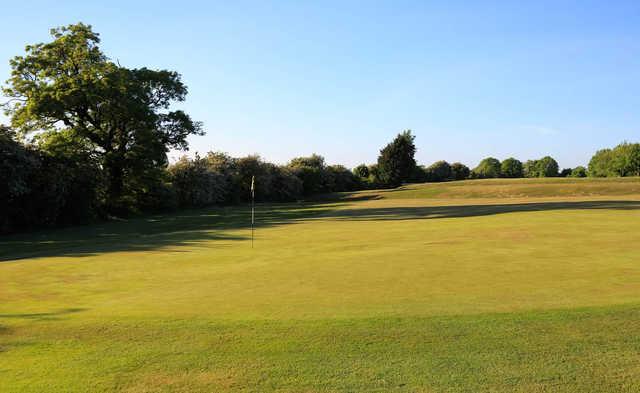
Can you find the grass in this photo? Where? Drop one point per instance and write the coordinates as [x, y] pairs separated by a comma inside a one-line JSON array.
[[501, 286]]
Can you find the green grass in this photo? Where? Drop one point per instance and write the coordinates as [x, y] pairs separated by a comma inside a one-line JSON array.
[[501, 286], [517, 188]]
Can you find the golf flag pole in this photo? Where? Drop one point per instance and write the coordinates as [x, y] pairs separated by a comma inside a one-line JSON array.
[[253, 198]]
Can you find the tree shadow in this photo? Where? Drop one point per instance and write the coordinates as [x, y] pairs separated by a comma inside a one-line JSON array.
[[187, 227], [460, 211], [346, 196], [208, 227], [52, 315]]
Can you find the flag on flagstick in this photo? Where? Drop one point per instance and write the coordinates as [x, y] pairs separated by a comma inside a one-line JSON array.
[[253, 197]]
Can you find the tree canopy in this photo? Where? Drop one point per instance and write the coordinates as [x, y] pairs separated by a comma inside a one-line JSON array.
[[459, 171], [511, 168], [487, 168], [69, 85], [544, 167]]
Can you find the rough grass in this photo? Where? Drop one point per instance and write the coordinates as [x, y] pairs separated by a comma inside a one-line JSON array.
[[380, 291], [516, 188]]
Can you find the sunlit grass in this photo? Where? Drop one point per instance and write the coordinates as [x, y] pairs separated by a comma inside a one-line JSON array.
[[471, 292]]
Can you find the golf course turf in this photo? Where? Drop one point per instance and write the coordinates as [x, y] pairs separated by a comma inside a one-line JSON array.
[[524, 285]]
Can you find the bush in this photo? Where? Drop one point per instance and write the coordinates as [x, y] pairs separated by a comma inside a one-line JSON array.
[[40, 189], [196, 184], [287, 187]]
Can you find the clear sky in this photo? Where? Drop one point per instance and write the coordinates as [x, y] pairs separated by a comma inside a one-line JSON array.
[[341, 79]]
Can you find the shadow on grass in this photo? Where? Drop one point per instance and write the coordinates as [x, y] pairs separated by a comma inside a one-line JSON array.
[[459, 211], [187, 227], [53, 315], [198, 227]]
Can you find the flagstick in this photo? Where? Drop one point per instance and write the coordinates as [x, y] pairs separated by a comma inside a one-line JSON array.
[[252, 218], [253, 198]]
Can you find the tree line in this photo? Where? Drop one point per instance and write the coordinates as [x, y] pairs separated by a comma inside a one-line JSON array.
[[89, 138]]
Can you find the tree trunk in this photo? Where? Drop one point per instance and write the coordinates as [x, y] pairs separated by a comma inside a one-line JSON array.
[[115, 185]]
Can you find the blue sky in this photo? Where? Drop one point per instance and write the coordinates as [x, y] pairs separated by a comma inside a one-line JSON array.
[[341, 79]]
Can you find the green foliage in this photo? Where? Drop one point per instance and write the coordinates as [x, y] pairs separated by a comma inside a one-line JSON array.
[[548, 167], [396, 162], [122, 114], [361, 171], [565, 172], [343, 179], [601, 164], [459, 171], [313, 173], [438, 171], [511, 168], [45, 187], [544, 167], [196, 184], [374, 176], [487, 169], [578, 171], [219, 178], [622, 160], [626, 159]]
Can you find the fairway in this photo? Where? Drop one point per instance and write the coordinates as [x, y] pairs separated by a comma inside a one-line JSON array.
[[525, 285]]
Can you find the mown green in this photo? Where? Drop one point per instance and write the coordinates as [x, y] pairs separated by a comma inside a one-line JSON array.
[[493, 285]]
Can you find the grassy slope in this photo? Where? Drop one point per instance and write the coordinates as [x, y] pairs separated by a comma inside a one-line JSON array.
[[445, 287]]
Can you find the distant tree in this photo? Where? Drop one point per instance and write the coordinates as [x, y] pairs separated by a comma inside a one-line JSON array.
[[565, 172], [396, 162], [601, 164], [286, 185], [253, 166], [487, 168], [439, 171], [459, 171], [622, 160], [362, 171], [70, 85], [511, 168], [343, 179], [420, 174], [579, 171], [530, 168], [626, 159], [313, 173], [544, 167], [374, 175], [548, 167]]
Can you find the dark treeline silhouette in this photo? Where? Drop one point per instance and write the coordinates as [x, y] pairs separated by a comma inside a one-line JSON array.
[[89, 138]]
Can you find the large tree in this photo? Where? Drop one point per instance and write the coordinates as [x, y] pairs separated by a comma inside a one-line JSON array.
[[396, 162], [70, 85]]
